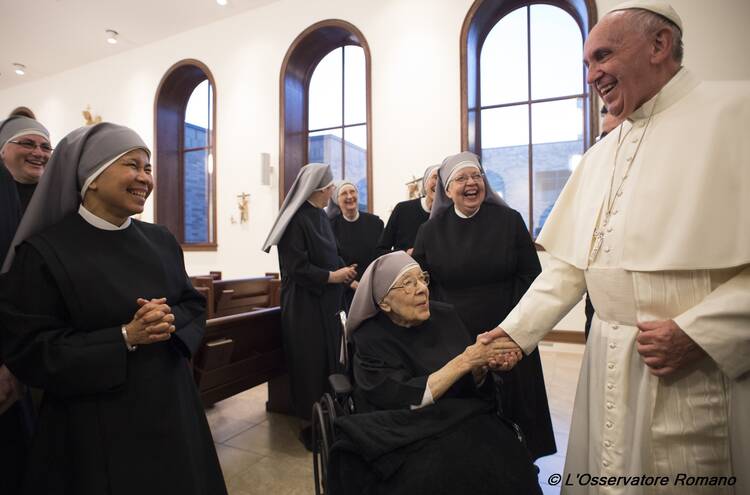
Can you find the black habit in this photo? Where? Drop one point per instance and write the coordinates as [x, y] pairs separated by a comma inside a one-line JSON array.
[[401, 230], [10, 210], [457, 445], [25, 192], [357, 243], [111, 421], [14, 422], [483, 265], [309, 305]]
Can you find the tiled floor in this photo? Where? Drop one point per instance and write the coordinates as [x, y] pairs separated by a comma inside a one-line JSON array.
[[561, 364], [260, 454]]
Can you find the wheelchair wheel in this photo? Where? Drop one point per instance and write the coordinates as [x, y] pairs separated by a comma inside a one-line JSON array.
[[321, 440], [333, 410]]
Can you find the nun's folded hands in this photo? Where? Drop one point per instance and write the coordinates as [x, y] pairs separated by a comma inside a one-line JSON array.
[[152, 322]]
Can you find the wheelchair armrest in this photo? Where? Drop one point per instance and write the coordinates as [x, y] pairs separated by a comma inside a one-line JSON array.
[[340, 384]]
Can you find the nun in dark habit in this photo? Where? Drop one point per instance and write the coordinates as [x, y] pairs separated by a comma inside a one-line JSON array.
[[97, 311], [407, 216], [24, 152], [313, 276], [357, 232], [427, 418], [482, 260]]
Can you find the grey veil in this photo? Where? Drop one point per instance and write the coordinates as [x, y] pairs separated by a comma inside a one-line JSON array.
[[454, 162], [427, 173], [374, 285], [20, 125], [76, 157], [311, 177], [333, 209]]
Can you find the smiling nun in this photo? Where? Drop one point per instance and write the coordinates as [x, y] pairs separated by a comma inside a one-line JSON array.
[[482, 259], [99, 313], [357, 232], [24, 150]]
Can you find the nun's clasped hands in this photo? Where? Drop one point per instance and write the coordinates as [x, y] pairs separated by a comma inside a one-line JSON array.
[[153, 322]]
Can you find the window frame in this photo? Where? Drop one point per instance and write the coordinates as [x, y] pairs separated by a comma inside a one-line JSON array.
[[481, 18], [170, 104], [300, 61]]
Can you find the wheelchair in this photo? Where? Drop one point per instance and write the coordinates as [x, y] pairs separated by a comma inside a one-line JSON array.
[[336, 403], [339, 402]]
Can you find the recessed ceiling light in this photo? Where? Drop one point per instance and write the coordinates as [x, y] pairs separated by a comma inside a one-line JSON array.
[[222, 2], [112, 36], [20, 69]]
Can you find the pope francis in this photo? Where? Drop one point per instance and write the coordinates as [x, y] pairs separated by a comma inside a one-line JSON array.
[[654, 223]]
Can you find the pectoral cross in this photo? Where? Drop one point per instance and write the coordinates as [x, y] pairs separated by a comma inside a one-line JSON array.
[[598, 240]]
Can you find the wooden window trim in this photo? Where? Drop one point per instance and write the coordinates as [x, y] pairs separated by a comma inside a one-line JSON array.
[[299, 63], [169, 112]]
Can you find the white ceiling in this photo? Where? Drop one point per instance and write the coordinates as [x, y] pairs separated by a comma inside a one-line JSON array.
[[50, 36]]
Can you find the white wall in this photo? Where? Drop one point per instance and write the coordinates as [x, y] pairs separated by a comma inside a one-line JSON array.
[[415, 93]]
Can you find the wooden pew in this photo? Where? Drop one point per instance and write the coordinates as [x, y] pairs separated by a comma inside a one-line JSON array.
[[229, 297], [242, 351], [274, 289], [241, 295], [205, 285]]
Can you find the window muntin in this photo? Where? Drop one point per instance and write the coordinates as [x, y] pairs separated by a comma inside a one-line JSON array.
[[197, 159], [532, 123], [337, 125]]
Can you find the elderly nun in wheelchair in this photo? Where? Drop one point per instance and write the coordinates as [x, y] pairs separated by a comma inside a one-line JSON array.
[[432, 422]]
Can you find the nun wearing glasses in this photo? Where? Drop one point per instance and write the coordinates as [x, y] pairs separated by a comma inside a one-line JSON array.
[[427, 418], [24, 152], [482, 260], [98, 312], [313, 277]]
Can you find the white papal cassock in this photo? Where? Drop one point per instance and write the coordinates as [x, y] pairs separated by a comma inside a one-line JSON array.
[[676, 246]]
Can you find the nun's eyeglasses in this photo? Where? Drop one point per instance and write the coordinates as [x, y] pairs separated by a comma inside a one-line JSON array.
[[410, 284], [31, 145], [463, 179]]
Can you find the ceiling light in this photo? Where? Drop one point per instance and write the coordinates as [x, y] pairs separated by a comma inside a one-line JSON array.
[[112, 36], [20, 69], [222, 2]]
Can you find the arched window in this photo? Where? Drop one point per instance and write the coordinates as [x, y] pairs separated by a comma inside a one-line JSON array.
[[325, 106], [185, 154], [525, 105]]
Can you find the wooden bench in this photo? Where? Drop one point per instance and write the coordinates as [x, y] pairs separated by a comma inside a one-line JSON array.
[[229, 297], [242, 351]]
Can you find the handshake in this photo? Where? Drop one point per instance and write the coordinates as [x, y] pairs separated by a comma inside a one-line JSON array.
[[493, 350]]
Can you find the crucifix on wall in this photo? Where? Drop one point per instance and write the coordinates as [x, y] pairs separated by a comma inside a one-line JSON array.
[[243, 203]]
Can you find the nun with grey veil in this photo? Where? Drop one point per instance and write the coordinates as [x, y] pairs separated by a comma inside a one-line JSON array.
[[98, 312], [482, 260], [313, 276], [17, 134], [357, 232], [426, 412]]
